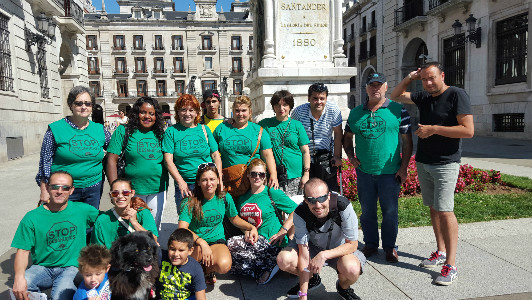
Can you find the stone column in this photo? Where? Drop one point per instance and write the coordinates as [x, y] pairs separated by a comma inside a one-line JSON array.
[[269, 44], [338, 41]]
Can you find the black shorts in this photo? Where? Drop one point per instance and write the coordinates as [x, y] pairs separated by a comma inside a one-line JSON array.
[[220, 241]]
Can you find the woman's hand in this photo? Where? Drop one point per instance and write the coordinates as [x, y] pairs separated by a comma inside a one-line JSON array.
[[251, 236], [273, 183], [304, 180], [183, 187], [207, 258], [278, 237], [45, 196], [130, 214]]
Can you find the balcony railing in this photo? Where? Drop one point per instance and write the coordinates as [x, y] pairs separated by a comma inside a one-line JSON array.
[[178, 70], [158, 71], [141, 48], [119, 48], [95, 71], [178, 48], [408, 12], [435, 3], [74, 11], [372, 25], [363, 56], [239, 48], [121, 72], [363, 30]]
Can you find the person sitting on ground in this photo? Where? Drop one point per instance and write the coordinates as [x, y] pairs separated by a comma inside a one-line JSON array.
[[124, 217], [54, 234], [181, 275], [203, 214], [261, 206], [94, 263], [326, 232]]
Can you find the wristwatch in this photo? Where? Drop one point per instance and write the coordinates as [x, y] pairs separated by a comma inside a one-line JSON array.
[[300, 294], [306, 169]]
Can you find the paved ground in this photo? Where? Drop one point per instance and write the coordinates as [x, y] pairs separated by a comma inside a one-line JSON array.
[[494, 258]]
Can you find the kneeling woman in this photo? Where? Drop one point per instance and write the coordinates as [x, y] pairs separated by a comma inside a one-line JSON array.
[[203, 214], [262, 207], [124, 217]]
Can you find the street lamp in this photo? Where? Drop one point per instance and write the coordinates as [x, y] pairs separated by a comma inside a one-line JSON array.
[[474, 35], [46, 27], [223, 89]]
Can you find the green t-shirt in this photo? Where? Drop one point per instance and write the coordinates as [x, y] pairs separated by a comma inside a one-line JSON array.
[[295, 137], [190, 148], [258, 210], [210, 228], [144, 160], [108, 229], [79, 152], [237, 145], [377, 144], [55, 239]]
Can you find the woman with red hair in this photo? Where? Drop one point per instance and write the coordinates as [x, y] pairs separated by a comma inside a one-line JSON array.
[[187, 145]]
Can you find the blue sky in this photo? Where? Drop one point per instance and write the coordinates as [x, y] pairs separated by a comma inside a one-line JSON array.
[[180, 5]]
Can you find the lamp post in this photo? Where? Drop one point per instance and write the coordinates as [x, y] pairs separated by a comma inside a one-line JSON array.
[[223, 90], [46, 27], [474, 35]]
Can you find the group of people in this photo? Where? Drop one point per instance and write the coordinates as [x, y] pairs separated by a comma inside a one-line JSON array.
[[298, 151]]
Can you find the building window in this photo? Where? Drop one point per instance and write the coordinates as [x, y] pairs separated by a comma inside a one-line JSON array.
[[511, 58], [237, 64], [250, 43], [178, 65], [119, 42], [363, 29], [250, 63], [159, 65], [208, 63], [352, 56], [237, 87], [363, 50], [161, 88], [158, 43], [353, 82], [207, 43], [454, 60], [180, 87], [120, 64], [138, 42], [156, 15], [142, 89], [94, 86], [93, 65], [140, 65], [208, 85], [373, 23], [6, 77], [352, 37], [509, 122], [372, 46], [91, 42], [177, 42], [235, 43], [137, 14], [122, 88]]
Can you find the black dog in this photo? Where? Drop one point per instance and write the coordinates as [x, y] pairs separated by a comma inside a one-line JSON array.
[[134, 266]]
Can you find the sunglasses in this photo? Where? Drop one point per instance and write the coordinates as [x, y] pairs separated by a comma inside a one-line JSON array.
[[319, 199], [56, 187], [206, 165], [117, 193], [254, 174], [80, 103]]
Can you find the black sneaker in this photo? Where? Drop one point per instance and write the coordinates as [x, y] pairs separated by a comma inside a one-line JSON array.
[[347, 294], [313, 283]]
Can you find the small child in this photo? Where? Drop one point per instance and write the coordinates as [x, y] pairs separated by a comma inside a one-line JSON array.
[[94, 263], [181, 275]]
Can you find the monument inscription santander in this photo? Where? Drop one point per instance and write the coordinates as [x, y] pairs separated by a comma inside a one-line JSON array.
[[304, 30]]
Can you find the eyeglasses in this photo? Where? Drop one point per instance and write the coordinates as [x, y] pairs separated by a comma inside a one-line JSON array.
[[117, 193], [319, 199], [254, 174], [56, 187], [80, 103], [205, 165]]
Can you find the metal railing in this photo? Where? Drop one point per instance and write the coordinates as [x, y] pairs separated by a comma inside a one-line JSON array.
[[435, 3], [74, 11], [409, 11]]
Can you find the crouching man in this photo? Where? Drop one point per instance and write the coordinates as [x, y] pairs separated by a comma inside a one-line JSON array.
[[326, 232]]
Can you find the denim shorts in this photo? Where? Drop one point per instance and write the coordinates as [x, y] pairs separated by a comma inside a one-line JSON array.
[[438, 183]]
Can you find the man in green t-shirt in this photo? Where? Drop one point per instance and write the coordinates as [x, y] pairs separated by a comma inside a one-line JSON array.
[[379, 125], [54, 234]]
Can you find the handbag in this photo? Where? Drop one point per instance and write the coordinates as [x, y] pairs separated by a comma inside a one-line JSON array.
[[236, 184], [282, 174], [321, 166]]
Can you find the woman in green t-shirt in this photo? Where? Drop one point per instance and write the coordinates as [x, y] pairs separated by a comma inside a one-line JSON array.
[[123, 218], [186, 145], [203, 215], [263, 208], [289, 143], [142, 153]]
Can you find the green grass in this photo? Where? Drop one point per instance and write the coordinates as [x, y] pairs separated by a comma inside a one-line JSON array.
[[470, 207]]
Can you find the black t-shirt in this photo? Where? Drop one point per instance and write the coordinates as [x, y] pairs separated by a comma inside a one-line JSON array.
[[440, 110]]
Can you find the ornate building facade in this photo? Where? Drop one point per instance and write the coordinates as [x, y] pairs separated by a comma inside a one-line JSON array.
[[149, 49], [483, 46]]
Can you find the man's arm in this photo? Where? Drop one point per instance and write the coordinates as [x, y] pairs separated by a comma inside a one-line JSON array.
[[302, 264], [348, 148], [338, 136], [20, 285], [317, 262], [406, 154], [399, 93], [464, 129]]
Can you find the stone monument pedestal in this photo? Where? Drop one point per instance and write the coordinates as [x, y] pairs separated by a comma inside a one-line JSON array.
[[298, 44]]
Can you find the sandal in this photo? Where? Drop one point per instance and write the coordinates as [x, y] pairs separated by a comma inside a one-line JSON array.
[[210, 278], [270, 275]]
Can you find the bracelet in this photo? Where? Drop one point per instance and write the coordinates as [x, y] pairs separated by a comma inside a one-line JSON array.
[[301, 294], [410, 76], [196, 240], [306, 169], [284, 228]]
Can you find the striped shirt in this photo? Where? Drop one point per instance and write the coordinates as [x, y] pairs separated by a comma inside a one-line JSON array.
[[323, 127]]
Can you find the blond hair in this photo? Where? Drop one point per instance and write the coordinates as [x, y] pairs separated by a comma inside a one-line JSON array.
[[243, 100]]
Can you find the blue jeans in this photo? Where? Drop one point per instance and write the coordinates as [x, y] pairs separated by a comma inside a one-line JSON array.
[[386, 189], [61, 280], [178, 198], [90, 195]]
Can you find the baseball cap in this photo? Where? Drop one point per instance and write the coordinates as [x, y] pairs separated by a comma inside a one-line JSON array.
[[376, 77]]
